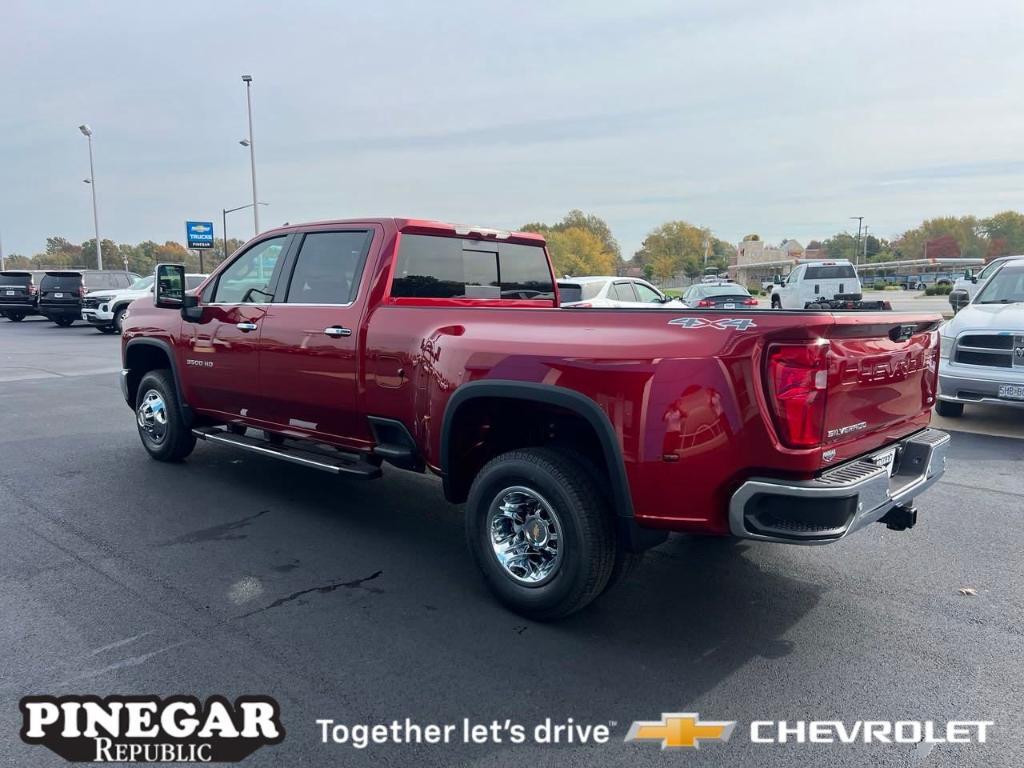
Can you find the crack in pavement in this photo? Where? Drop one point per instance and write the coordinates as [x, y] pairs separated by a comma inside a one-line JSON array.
[[325, 589], [214, 533]]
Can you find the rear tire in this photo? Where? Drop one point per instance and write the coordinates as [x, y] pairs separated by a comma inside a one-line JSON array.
[[106, 329], [776, 302], [16, 317], [540, 532], [163, 431], [64, 322], [949, 410]]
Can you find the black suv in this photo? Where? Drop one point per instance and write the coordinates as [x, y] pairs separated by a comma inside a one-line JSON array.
[[19, 293], [61, 293]]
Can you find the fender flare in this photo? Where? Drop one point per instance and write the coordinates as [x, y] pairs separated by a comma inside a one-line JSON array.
[[165, 347], [548, 394]]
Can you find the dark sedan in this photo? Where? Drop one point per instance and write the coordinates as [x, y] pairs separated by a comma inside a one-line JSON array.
[[718, 296]]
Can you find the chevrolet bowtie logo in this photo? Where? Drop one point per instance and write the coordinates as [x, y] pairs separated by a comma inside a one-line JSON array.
[[680, 729]]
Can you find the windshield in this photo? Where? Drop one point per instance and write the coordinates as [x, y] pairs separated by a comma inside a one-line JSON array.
[[1005, 287], [142, 283]]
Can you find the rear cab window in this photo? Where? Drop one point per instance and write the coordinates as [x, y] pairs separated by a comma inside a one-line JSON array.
[[429, 268], [832, 272]]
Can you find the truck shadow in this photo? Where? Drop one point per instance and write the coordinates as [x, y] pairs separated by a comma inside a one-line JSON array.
[[696, 612]]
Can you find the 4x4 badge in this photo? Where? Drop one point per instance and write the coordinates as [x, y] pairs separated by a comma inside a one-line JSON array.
[[737, 323]]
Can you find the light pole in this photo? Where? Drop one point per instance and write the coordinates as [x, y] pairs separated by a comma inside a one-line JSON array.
[[860, 221], [224, 222], [865, 259], [87, 132], [247, 79]]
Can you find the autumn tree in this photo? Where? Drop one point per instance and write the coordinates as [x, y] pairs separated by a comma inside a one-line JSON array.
[[577, 219], [1005, 232], [674, 247], [577, 251]]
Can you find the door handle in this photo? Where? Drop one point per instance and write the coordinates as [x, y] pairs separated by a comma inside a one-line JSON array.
[[246, 327], [338, 330]]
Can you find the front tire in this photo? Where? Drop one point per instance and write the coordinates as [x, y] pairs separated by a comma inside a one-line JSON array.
[[16, 317], [118, 325], [163, 432], [949, 410], [540, 532], [776, 302]]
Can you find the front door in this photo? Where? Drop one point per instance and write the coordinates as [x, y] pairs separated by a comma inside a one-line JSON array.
[[221, 350], [309, 349]]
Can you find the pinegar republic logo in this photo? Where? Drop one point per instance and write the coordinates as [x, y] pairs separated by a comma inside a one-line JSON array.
[[151, 729]]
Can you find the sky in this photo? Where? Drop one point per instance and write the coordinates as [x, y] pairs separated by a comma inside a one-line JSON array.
[[780, 118]]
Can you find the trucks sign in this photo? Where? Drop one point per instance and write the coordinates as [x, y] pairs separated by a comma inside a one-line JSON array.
[[199, 234]]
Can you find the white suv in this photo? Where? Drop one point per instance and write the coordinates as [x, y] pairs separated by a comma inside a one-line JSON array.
[[818, 281], [611, 292], [105, 309]]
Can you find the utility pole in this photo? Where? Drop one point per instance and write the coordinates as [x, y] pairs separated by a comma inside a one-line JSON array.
[[247, 79], [87, 132], [865, 259], [3, 262], [860, 221]]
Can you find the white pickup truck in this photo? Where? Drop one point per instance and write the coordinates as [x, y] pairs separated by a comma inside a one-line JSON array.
[[822, 285]]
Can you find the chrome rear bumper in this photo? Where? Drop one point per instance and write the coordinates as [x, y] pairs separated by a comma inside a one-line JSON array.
[[841, 500]]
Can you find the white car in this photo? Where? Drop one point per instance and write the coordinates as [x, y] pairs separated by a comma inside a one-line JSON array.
[[814, 281], [981, 359], [105, 309], [611, 292], [965, 288]]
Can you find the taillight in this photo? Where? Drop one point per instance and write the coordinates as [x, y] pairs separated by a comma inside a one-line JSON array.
[[82, 291], [583, 304], [32, 290], [751, 302], [705, 303], [797, 382]]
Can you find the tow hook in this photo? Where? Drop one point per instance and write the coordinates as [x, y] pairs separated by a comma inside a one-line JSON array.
[[900, 518]]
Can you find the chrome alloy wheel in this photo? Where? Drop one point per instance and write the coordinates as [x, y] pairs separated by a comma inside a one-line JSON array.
[[152, 416], [526, 535]]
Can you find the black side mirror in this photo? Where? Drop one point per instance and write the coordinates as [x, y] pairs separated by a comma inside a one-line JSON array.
[[974, 279], [170, 286]]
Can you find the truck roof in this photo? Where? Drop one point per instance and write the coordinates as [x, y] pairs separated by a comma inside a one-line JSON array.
[[423, 226]]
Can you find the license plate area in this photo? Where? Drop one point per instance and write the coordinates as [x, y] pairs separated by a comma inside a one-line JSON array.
[[10, 293], [1011, 391], [886, 460], [58, 295]]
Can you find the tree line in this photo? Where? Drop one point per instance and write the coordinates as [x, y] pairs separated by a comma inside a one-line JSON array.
[[583, 244], [141, 258]]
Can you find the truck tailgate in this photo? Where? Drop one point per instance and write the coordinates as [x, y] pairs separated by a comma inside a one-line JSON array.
[[881, 381]]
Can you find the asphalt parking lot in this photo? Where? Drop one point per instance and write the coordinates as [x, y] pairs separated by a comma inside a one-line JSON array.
[[233, 574]]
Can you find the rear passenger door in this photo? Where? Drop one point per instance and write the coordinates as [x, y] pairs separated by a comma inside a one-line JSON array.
[[310, 369], [621, 294]]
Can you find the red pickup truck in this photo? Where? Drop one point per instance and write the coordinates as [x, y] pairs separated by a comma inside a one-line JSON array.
[[576, 437]]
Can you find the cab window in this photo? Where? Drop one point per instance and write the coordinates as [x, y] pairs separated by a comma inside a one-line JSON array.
[[328, 267], [247, 279], [436, 267]]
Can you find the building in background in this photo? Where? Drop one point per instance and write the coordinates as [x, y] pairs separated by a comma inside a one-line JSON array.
[[756, 261]]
